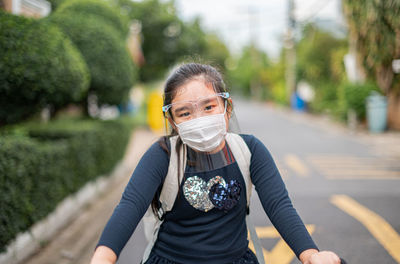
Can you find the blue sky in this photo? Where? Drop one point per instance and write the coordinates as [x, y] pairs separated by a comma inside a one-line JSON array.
[[239, 21]]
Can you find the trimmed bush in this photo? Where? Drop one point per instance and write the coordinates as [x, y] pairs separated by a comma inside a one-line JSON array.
[[103, 10], [39, 65], [111, 68], [353, 95], [55, 4], [325, 100], [32, 179], [58, 158]]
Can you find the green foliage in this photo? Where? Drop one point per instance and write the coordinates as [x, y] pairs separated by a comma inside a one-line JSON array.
[[167, 39], [216, 51], [161, 30], [315, 56], [30, 183], [247, 74], [325, 99], [320, 63], [353, 96], [39, 65], [101, 9], [40, 170], [111, 68], [55, 4], [277, 84], [374, 24]]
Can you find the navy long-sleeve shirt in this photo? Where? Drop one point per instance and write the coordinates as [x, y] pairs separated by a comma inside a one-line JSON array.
[[190, 235]]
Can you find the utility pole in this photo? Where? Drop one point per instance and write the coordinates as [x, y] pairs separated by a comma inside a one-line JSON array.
[[290, 51]]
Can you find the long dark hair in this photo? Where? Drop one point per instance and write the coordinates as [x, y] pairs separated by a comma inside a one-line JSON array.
[[179, 76]]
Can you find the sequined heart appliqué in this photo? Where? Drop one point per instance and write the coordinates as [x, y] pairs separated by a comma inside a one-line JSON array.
[[196, 191], [215, 193]]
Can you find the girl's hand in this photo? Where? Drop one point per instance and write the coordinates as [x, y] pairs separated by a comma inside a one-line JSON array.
[[103, 255], [323, 257]]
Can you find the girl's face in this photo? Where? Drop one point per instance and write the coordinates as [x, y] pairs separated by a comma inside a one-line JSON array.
[[194, 99]]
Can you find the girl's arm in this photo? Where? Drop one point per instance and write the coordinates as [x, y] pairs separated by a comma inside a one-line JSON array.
[[136, 198], [278, 206]]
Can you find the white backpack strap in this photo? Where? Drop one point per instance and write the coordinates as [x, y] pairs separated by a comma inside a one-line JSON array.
[[242, 155], [168, 194], [171, 183]]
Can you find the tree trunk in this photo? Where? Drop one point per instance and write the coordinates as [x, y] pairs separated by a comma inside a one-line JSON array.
[[393, 110], [384, 77]]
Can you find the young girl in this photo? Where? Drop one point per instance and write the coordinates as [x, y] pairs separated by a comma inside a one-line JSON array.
[[206, 223]]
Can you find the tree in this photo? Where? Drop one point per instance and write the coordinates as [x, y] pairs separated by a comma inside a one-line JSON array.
[[315, 61], [39, 66], [103, 47], [100, 8], [375, 27], [319, 62], [216, 51], [247, 74], [167, 39]]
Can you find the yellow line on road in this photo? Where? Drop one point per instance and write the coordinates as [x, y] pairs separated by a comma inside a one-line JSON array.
[[376, 225], [362, 174], [293, 162], [281, 253]]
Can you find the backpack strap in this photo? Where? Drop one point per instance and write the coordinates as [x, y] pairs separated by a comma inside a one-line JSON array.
[[168, 195], [242, 156], [171, 184]]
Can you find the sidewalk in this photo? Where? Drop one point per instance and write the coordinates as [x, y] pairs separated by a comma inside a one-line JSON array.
[[76, 242]]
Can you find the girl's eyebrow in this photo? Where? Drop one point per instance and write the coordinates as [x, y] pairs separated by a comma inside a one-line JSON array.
[[181, 109]]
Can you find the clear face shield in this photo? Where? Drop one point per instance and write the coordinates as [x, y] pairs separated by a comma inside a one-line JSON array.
[[202, 115]]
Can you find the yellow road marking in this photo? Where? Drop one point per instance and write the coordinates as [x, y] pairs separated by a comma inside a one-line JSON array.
[[376, 225], [281, 253], [297, 165], [351, 167], [379, 174]]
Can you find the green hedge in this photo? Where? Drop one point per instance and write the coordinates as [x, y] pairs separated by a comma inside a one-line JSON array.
[[325, 100], [42, 164], [111, 68], [353, 96], [39, 65]]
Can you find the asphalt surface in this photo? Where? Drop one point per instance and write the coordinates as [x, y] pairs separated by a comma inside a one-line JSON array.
[[344, 184], [326, 167]]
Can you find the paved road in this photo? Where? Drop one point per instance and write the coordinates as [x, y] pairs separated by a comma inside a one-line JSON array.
[[345, 186]]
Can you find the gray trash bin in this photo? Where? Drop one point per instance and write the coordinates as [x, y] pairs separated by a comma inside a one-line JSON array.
[[376, 112]]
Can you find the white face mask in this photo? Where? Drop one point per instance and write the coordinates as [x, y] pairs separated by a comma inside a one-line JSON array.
[[203, 133]]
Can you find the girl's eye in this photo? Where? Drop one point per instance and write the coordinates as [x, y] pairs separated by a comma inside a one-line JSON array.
[[208, 107], [184, 114]]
